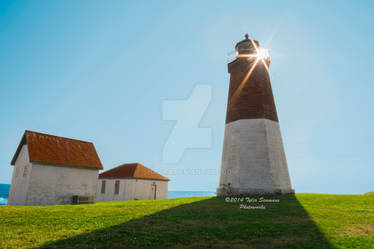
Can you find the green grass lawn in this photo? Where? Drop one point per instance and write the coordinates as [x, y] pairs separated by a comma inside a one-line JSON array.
[[300, 221]]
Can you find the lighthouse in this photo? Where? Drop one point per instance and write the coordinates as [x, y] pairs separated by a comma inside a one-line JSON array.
[[253, 158]]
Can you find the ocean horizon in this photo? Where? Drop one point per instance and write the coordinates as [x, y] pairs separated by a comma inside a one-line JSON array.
[[4, 192]]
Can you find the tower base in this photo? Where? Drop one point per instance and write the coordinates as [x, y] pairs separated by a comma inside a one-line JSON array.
[[241, 191], [253, 160]]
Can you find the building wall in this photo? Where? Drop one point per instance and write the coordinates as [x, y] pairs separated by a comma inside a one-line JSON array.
[[56, 185], [20, 179], [144, 190], [131, 189], [126, 189], [253, 160]]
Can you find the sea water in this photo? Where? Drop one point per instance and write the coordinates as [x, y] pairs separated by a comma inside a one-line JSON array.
[[4, 191], [180, 194]]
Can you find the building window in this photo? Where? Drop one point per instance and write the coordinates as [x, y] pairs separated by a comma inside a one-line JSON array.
[[116, 187], [103, 187], [25, 171]]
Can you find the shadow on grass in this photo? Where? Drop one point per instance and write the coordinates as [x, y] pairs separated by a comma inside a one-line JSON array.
[[210, 223]]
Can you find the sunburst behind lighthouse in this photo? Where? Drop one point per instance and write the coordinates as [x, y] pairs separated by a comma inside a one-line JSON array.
[[253, 159]]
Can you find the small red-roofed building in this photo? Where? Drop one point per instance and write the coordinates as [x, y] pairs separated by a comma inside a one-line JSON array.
[[50, 170], [131, 181]]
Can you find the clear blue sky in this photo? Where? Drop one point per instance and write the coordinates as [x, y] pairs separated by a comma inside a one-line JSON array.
[[100, 71]]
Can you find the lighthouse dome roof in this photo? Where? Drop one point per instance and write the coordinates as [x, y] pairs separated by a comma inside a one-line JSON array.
[[246, 46]]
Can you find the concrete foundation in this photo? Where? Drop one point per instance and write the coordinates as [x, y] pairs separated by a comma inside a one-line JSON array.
[[253, 160]]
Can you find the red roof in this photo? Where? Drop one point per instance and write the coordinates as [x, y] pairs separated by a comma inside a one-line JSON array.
[[44, 148], [132, 170]]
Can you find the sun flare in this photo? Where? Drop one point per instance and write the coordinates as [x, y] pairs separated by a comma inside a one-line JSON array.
[[263, 53]]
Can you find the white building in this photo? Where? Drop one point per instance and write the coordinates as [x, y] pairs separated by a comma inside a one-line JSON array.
[[50, 170], [131, 182]]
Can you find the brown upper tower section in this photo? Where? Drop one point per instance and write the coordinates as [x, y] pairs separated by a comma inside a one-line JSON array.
[[250, 93]]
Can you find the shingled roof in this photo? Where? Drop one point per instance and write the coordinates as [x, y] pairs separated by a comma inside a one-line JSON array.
[[132, 170], [44, 148]]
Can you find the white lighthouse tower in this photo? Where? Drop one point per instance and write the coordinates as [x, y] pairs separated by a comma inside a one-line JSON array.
[[253, 159]]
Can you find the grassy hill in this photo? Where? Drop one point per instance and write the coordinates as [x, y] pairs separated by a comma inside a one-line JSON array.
[[300, 221]]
